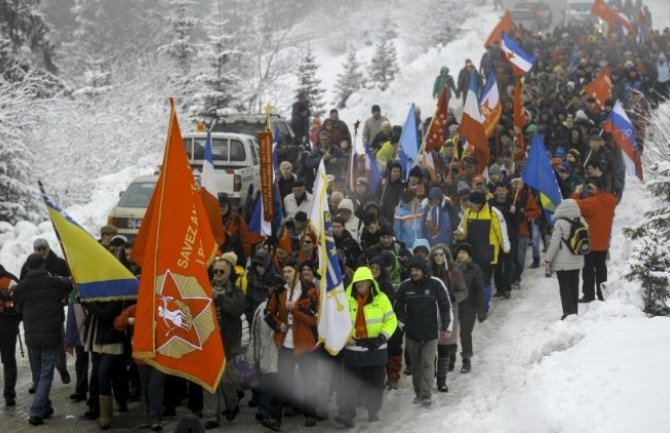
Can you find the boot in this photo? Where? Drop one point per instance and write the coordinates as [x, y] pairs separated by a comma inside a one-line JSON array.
[[466, 365], [106, 404], [452, 362], [536, 263], [393, 369]]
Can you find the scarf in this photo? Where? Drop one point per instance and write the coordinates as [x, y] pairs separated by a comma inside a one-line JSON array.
[[361, 328], [433, 222]]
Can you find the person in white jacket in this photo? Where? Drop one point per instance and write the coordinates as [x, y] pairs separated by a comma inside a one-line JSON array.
[[346, 210], [559, 258]]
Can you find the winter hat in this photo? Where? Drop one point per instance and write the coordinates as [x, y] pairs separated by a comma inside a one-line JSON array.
[[230, 257], [463, 246], [477, 197], [40, 243], [260, 259], [108, 230], [386, 230], [118, 240], [435, 193], [495, 169], [346, 204], [417, 262], [421, 244], [34, 261], [575, 153]]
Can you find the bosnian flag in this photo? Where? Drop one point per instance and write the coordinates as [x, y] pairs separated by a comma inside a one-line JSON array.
[[210, 193], [472, 128], [621, 128], [489, 105], [521, 61]]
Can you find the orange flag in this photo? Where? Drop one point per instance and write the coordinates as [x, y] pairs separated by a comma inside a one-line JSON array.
[[504, 26], [520, 121], [176, 328], [601, 88]]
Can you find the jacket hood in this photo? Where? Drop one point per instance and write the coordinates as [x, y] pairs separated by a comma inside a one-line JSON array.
[[421, 242], [363, 273], [347, 204], [567, 209], [444, 70], [377, 260], [418, 262]]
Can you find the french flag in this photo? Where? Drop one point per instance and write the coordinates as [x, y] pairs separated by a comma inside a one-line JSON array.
[[621, 128], [210, 193], [472, 127], [521, 61]]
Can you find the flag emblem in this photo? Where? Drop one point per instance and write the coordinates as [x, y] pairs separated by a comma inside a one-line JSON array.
[[184, 320]]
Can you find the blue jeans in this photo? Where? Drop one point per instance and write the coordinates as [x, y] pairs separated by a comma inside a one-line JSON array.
[[520, 259], [152, 391], [42, 365]]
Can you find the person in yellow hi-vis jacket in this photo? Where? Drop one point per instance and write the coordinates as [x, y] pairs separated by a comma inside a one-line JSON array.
[[484, 228], [366, 354]]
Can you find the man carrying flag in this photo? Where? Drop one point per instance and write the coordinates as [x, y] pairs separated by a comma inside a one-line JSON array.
[[176, 329]]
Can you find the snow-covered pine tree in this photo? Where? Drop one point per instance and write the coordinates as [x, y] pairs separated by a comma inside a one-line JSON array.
[[24, 39], [220, 80], [19, 114], [181, 47], [384, 64], [310, 93], [350, 80], [650, 259]]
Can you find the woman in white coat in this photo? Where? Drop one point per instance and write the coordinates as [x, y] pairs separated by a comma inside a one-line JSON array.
[[559, 258]]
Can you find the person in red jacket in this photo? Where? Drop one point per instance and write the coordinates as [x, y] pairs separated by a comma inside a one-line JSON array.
[[598, 211]]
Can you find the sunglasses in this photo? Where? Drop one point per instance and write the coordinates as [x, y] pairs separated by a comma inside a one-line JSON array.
[[219, 271]]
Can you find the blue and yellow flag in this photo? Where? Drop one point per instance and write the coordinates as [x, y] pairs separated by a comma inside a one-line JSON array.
[[539, 175], [97, 274]]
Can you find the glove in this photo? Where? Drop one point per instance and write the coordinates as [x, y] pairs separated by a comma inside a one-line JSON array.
[[372, 343], [481, 316]]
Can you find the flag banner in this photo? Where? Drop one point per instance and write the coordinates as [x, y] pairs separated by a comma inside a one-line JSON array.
[[176, 326], [334, 325], [490, 106], [409, 143], [97, 274], [472, 128], [520, 60], [372, 172], [504, 26], [209, 193], [435, 136], [621, 128], [601, 88], [539, 174], [614, 17], [267, 176]]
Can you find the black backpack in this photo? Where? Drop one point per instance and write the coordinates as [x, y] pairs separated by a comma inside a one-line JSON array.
[[578, 242]]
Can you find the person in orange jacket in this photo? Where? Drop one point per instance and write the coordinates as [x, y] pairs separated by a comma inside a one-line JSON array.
[[292, 312], [598, 211]]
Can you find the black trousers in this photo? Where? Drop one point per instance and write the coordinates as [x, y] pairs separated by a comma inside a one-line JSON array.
[[176, 389], [81, 369], [568, 284], [594, 273], [467, 317], [504, 271], [9, 331], [361, 385]]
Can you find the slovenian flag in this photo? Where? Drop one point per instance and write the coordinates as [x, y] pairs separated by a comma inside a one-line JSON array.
[[621, 128], [521, 61], [97, 274]]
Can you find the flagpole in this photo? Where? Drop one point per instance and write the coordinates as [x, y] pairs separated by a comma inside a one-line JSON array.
[[352, 155]]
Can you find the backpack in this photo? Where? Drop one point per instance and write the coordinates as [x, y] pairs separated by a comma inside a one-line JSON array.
[[578, 242]]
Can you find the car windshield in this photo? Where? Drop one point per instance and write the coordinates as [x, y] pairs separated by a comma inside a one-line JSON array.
[[137, 195], [219, 149], [583, 7]]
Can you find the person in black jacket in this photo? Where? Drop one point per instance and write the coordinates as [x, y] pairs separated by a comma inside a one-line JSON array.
[[55, 266], [474, 305], [39, 299], [422, 302], [9, 332]]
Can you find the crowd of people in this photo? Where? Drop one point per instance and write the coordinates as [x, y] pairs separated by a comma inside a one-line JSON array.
[[423, 253]]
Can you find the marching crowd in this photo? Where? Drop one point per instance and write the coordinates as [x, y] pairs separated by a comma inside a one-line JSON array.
[[421, 257]]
